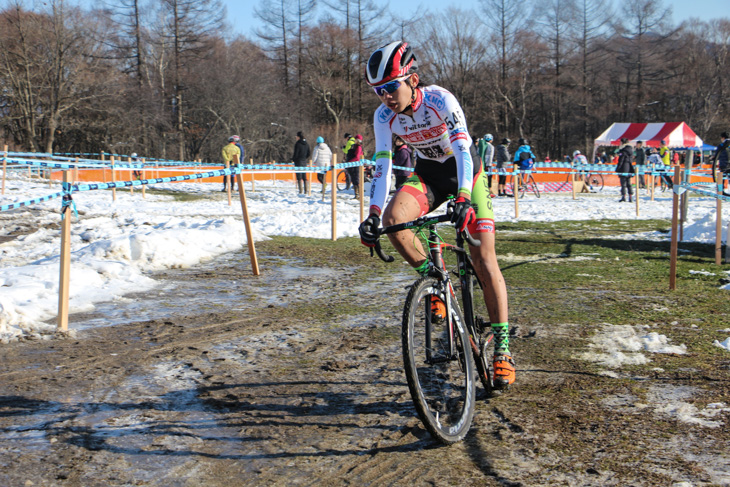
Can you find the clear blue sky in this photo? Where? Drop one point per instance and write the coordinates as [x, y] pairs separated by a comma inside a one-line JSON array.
[[244, 22]]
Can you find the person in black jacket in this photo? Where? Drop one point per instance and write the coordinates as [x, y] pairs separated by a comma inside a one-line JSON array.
[[722, 156], [640, 157], [300, 157], [502, 158], [625, 169]]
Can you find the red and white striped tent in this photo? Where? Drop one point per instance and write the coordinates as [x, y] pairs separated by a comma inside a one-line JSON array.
[[676, 134]]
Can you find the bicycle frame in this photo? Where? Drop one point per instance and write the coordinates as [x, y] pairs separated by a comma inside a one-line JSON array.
[[464, 266]]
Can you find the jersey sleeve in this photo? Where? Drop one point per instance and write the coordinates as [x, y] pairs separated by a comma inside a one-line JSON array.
[[380, 185], [460, 140]]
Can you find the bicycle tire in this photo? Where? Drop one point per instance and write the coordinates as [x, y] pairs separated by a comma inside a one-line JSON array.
[[533, 184], [596, 181], [441, 385], [341, 180], [484, 343]]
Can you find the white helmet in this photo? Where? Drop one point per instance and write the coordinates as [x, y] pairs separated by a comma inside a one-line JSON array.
[[390, 62], [488, 137], [576, 153]]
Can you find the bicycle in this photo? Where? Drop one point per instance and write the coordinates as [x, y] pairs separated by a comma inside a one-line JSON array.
[[594, 181], [527, 184], [442, 346], [343, 178]]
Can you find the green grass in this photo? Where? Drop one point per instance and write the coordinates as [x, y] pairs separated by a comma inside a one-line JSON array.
[[576, 272]]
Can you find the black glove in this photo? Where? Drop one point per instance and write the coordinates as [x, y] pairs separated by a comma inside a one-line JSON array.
[[463, 213], [369, 231]]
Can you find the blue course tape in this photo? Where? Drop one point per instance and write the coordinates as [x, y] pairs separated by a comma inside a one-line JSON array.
[[31, 202]]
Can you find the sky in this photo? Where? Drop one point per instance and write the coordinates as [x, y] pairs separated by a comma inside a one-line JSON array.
[[244, 22]]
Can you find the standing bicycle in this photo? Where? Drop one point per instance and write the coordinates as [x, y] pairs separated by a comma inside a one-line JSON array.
[[432, 121], [442, 338]]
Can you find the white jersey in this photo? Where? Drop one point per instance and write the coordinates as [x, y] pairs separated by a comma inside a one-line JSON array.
[[437, 131], [580, 159]]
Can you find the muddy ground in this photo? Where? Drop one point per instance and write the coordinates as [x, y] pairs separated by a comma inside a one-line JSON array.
[[300, 383]]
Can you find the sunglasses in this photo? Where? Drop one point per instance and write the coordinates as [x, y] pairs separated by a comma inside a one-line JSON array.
[[390, 87]]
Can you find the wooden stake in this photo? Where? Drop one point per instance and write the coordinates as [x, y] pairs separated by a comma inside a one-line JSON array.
[[334, 196], [76, 171], [131, 174], [5, 166], [515, 189], [718, 221], [65, 264], [228, 186], [114, 180], [247, 223], [573, 182], [653, 184], [309, 179], [253, 176], [674, 244], [360, 192], [143, 177], [103, 168]]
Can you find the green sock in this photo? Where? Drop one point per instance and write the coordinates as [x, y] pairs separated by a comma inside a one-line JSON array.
[[423, 268], [501, 337]]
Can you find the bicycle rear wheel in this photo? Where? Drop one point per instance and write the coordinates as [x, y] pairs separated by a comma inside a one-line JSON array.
[[596, 181], [439, 369]]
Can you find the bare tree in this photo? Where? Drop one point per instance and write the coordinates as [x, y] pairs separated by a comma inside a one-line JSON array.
[[502, 17], [48, 68], [275, 33], [190, 25]]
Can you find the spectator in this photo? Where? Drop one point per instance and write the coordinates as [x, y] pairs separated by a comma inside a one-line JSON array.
[[231, 155], [402, 157], [640, 157], [665, 155], [625, 169], [486, 154], [722, 156], [355, 154], [321, 157], [349, 141], [503, 158], [299, 158]]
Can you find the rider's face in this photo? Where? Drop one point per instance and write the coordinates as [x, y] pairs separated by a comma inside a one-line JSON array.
[[400, 99]]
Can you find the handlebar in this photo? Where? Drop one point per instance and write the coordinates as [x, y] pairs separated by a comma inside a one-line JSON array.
[[419, 222]]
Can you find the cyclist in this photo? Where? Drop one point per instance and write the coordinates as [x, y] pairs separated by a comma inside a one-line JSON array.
[[581, 160], [430, 119], [524, 156]]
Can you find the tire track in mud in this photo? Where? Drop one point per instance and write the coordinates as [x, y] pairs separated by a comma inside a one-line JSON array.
[[277, 398]]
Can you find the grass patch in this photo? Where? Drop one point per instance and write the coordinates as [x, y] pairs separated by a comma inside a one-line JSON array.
[[577, 272]]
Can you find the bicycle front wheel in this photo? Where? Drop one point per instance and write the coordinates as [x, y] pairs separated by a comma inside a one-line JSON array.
[[532, 186], [438, 364], [341, 180]]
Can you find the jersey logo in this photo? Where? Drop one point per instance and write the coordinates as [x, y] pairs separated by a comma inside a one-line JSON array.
[[385, 114], [435, 100]]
